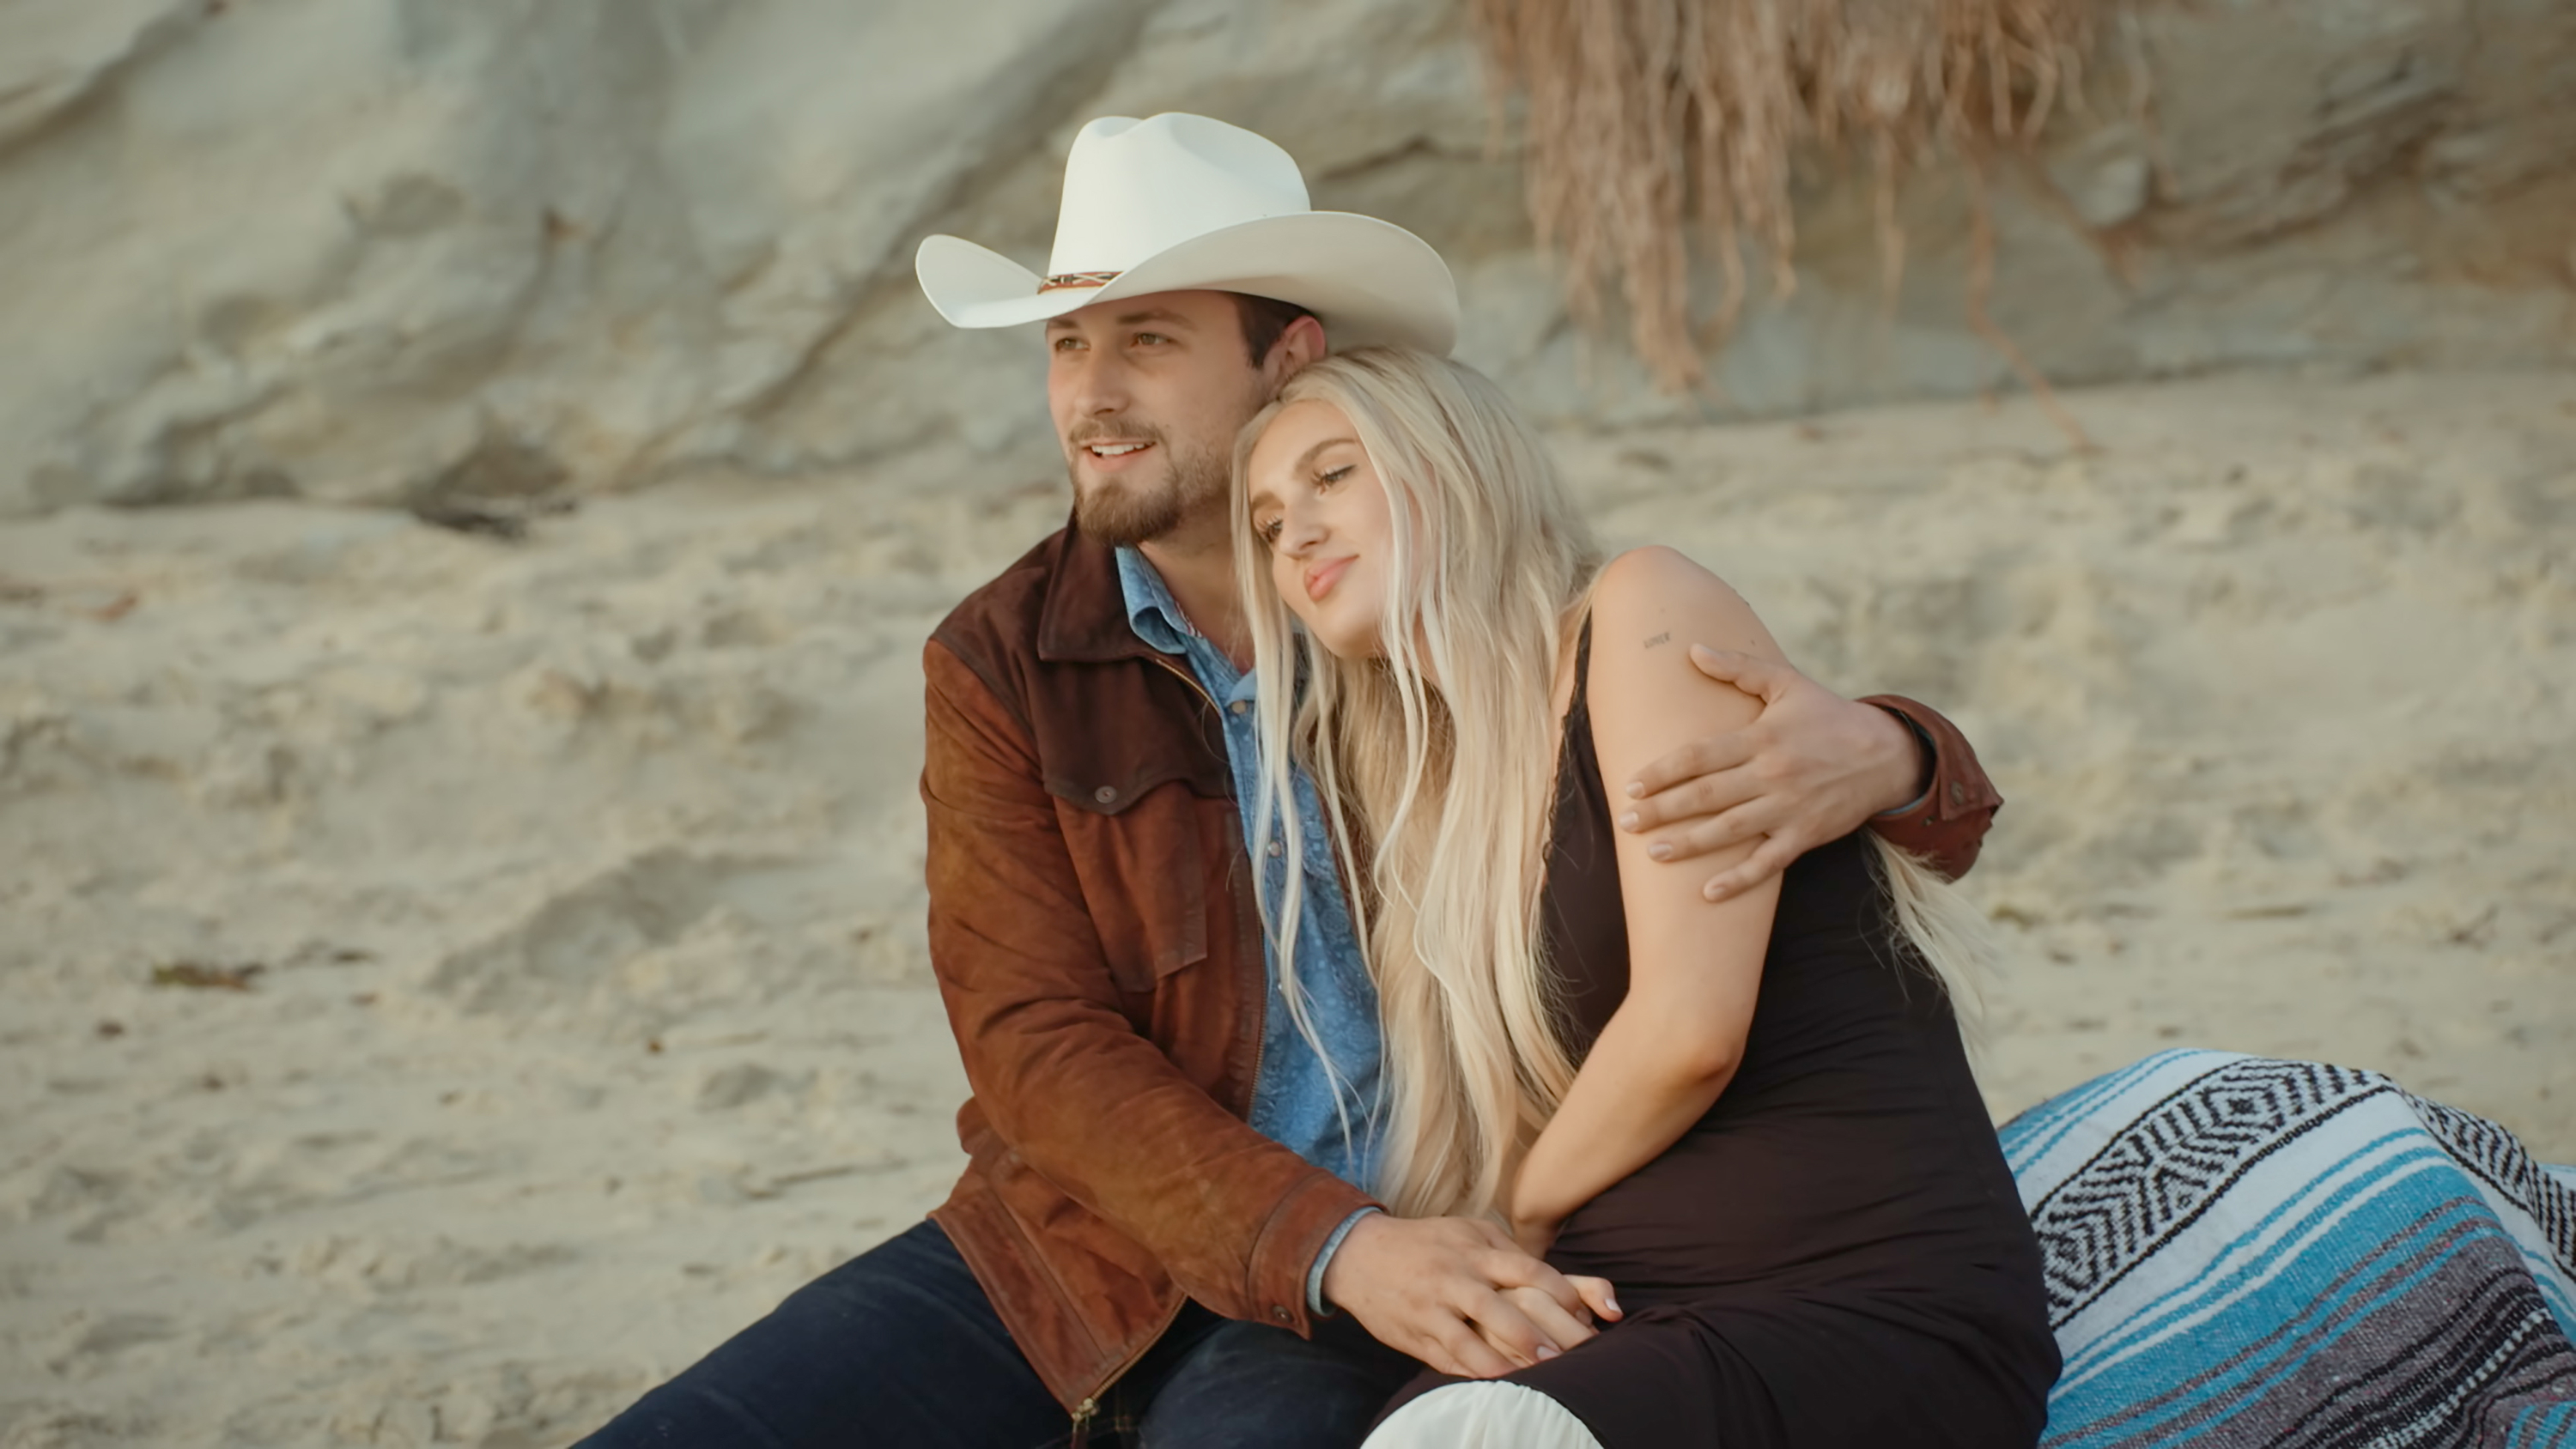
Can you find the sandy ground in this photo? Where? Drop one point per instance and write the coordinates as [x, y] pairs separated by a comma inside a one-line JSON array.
[[573, 882]]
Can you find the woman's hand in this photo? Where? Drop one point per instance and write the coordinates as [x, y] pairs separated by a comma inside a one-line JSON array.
[[1597, 1297], [1600, 1306]]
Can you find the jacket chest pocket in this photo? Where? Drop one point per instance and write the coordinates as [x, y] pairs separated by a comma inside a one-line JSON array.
[[1144, 865]]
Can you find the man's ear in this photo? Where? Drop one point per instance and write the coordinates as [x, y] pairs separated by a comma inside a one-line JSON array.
[[1300, 343]]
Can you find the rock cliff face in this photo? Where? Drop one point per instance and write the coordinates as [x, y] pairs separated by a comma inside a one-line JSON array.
[[371, 250]]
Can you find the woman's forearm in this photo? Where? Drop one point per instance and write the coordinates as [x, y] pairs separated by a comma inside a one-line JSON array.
[[1647, 1079]]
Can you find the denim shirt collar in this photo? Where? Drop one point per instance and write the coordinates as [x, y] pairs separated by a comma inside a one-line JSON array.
[[1151, 610]]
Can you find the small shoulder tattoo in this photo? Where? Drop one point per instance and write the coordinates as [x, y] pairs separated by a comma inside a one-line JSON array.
[[1663, 638]]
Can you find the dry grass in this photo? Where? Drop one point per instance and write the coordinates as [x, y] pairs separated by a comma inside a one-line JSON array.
[[1647, 117]]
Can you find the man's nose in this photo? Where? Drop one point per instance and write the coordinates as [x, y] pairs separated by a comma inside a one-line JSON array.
[[1099, 386]]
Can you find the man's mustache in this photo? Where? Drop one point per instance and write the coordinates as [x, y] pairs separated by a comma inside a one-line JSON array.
[[1099, 432]]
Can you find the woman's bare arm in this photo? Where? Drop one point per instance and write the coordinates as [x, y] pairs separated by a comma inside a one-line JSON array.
[[1694, 965]]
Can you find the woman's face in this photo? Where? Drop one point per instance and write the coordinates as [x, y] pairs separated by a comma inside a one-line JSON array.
[[1317, 502]]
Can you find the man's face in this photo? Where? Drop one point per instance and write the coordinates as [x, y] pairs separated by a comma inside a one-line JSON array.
[[1147, 394]]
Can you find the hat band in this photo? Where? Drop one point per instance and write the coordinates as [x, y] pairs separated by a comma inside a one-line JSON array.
[[1068, 281]]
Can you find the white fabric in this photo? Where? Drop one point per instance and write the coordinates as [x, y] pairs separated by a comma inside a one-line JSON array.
[[1489, 1414], [1179, 202]]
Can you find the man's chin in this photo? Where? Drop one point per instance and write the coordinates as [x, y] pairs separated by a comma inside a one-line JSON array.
[[1121, 516]]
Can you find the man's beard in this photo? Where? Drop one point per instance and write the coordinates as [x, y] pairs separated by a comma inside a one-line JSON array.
[[1127, 511]]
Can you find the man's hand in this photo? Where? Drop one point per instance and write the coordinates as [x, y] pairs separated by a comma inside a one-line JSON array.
[[1812, 767], [1456, 1294]]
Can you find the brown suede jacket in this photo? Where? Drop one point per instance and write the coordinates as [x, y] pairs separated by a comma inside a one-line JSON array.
[[1093, 930]]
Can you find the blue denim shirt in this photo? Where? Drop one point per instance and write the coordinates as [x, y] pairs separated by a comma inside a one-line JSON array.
[[1292, 1094]]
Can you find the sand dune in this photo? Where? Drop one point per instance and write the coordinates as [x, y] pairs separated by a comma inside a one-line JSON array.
[[571, 884]]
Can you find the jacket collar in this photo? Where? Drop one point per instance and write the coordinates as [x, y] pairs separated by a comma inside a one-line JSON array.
[[1084, 620]]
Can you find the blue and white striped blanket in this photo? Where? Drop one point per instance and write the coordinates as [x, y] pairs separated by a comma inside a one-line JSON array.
[[2242, 1251]]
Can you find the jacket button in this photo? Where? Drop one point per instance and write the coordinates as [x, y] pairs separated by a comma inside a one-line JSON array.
[[1105, 794], [1280, 1312], [1274, 849], [1958, 793], [1238, 706]]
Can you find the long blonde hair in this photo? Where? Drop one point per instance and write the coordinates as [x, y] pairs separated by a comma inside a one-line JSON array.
[[1439, 797]]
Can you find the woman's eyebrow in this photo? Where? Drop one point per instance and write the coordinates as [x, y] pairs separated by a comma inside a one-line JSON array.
[[1306, 459], [1259, 497]]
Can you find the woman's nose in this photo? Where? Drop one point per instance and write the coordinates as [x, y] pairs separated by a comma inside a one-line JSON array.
[[1299, 530]]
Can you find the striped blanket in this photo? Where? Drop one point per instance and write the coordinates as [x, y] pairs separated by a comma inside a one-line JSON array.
[[2242, 1251]]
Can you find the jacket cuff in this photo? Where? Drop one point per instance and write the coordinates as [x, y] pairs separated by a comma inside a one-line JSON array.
[[1948, 825], [1284, 1270]]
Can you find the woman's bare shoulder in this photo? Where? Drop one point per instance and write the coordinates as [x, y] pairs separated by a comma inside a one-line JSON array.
[[1655, 599]]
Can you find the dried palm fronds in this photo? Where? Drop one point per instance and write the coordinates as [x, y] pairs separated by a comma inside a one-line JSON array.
[[1648, 115]]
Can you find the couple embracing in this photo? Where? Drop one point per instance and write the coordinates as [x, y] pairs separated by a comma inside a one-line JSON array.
[[1510, 1024]]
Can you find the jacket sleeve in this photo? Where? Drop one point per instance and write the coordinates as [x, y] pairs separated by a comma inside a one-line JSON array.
[[1948, 825], [1058, 1069]]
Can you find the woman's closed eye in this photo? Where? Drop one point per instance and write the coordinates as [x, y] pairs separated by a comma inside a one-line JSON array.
[[1331, 476], [1267, 530]]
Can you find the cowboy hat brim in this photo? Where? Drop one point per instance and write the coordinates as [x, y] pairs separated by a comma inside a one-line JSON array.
[[1369, 281]]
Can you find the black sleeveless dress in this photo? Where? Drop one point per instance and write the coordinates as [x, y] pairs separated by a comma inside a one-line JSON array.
[[1835, 1254]]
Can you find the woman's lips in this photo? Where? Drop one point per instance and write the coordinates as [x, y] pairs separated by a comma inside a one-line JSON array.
[[1321, 578]]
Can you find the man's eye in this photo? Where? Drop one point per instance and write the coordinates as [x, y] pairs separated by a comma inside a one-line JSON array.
[[1065, 344], [1148, 338]]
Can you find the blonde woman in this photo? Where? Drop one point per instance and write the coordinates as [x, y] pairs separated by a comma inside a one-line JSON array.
[[1754, 1118]]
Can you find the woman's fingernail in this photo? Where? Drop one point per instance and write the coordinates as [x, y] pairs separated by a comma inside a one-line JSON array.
[[1613, 1300], [1628, 821], [1715, 893], [1660, 851], [1546, 1352], [1636, 790]]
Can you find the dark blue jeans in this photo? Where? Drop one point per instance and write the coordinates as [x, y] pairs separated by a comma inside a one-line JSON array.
[[900, 1346]]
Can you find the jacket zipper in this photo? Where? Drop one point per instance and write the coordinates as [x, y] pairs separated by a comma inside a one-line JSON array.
[[1184, 676], [1258, 958], [1089, 1409], [1260, 954]]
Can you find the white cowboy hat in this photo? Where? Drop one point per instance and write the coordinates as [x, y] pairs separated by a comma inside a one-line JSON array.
[[1180, 202]]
